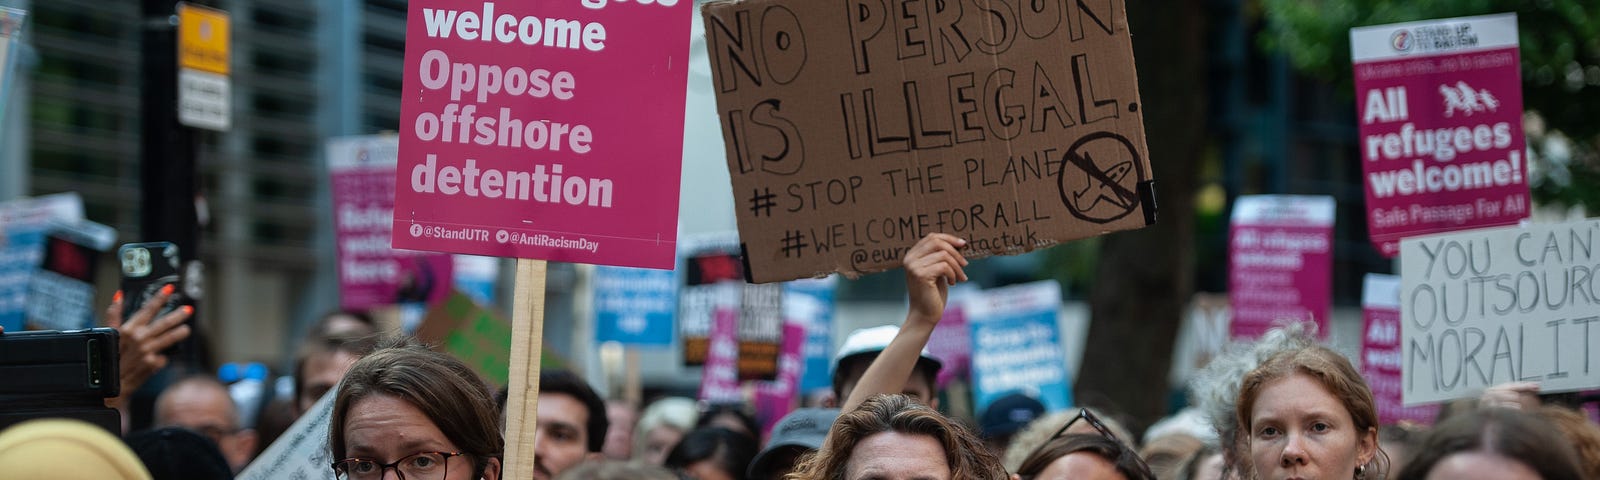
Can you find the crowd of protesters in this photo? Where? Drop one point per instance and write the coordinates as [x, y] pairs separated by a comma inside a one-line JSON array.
[[1280, 407]]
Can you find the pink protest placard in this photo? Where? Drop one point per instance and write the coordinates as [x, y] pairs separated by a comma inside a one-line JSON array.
[[777, 398], [361, 172], [550, 130], [1381, 353], [720, 380], [1440, 109], [951, 343], [1280, 262]]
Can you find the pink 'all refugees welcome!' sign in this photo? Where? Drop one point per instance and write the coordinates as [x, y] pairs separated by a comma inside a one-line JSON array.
[[549, 129], [1280, 262], [1439, 104]]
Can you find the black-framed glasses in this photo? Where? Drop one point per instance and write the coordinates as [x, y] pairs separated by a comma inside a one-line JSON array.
[[1085, 415], [417, 466]]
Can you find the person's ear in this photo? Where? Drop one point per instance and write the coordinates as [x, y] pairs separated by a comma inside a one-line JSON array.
[[491, 471], [1368, 449], [1016, 477]]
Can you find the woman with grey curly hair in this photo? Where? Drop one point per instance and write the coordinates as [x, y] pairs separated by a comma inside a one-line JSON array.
[[1216, 387]]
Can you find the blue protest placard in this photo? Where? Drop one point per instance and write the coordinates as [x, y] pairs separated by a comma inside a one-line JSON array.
[[810, 303], [23, 225], [1016, 344], [635, 306]]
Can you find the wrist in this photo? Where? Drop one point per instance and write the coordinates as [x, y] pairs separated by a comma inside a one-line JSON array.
[[919, 323]]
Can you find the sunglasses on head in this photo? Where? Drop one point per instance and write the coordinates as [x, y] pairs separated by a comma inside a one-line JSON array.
[[1087, 416]]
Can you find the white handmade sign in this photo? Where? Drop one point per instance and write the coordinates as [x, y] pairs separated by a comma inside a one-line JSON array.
[[1490, 306]]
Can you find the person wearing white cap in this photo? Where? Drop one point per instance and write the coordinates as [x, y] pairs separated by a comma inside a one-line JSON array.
[[932, 266], [882, 433], [864, 345]]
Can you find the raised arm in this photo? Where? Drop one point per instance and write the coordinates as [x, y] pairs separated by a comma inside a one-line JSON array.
[[932, 266]]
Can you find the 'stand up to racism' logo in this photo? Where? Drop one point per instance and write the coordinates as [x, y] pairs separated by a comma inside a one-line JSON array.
[[1463, 98], [1401, 40]]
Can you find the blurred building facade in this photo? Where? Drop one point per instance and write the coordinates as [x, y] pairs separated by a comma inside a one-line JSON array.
[[304, 71]]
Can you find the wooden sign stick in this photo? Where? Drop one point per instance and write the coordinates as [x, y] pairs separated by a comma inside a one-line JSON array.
[[633, 385], [527, 345]]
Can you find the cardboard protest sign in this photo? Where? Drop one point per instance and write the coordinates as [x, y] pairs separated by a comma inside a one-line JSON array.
[[1280, 262], [1500, 305], [855, 128], [719, 382], [1016, 344], [61, 292], [635, 306], [1440, 109], [302, 451], [809, 303], [1381, 354], [472, 334], [23, 225], [548, 130], [371, 274]]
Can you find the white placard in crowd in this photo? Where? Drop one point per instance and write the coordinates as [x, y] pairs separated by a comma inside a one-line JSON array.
[[301, 453], [1490, 306]]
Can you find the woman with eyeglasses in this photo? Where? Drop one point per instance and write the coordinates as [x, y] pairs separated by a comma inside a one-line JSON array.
[[1307, 414], [421, 413], [1083, 456]]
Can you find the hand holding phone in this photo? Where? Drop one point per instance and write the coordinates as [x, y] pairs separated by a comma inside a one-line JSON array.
[[151, 321], [147, 269]]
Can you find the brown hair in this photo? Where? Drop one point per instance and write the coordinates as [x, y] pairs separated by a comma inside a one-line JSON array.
[[1520, 436], [1217, 385], [1583, 435], [1330, 369], [965, 454], [452, 396], [1121, 457]]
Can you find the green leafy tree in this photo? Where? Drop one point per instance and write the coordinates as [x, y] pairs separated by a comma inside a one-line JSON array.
[[1560, 51]]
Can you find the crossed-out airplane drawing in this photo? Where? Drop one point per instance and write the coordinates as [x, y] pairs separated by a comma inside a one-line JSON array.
[[1102, 190]]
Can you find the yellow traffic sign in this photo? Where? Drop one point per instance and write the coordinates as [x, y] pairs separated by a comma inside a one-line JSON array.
[[202, 38]]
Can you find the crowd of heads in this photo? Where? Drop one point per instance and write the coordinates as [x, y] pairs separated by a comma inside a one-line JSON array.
[[1283, 406]]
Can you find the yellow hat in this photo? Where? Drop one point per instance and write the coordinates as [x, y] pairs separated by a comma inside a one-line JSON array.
[[62, 449]]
